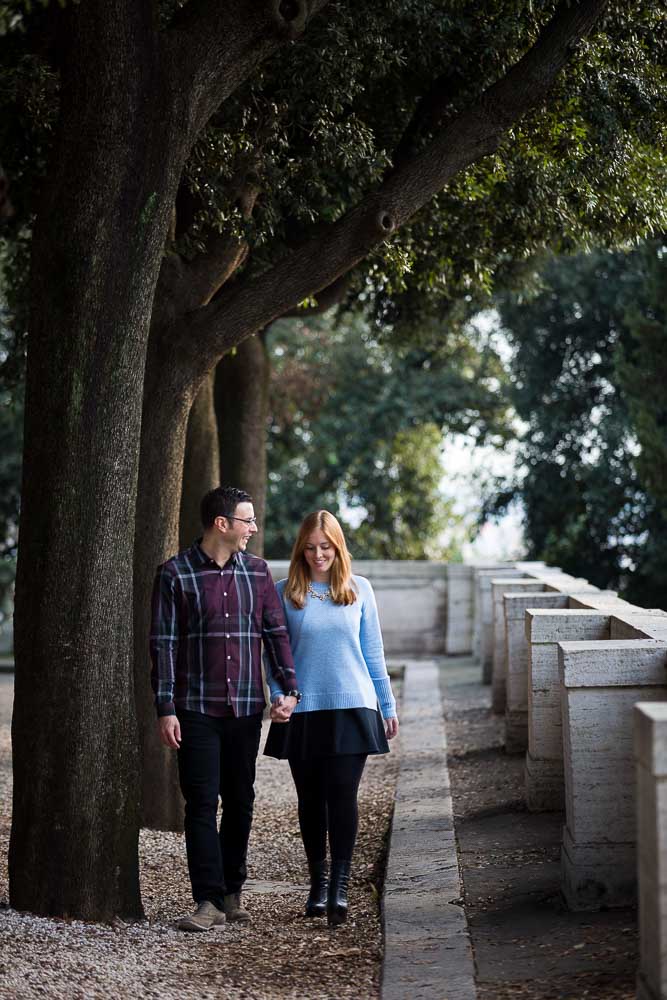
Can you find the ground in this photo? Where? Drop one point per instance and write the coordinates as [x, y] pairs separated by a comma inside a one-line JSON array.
[[526, 945], [281, 955]]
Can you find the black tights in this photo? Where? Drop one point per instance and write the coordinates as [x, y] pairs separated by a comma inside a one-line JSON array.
[[327, 790]]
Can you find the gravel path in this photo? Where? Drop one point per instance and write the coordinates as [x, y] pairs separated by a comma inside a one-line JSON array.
[[280, 955]]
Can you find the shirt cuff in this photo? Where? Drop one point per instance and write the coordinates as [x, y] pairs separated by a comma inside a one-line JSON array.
[[165, 708]]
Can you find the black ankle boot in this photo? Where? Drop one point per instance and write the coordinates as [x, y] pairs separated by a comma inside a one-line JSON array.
[[319, 883], [337, 898]]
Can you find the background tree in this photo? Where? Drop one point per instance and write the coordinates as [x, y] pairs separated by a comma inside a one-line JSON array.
[[357, 425], [585, 377]]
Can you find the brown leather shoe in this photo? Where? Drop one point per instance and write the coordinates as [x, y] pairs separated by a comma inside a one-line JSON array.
[[234, 910], [206, 915]]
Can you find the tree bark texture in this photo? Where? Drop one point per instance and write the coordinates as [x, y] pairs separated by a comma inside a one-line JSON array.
[[201, 467], [242, 409], [133, 99], [73, 847], [163, 433]]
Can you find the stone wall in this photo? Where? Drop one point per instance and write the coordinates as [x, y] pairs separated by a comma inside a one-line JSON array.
[[412, 602]]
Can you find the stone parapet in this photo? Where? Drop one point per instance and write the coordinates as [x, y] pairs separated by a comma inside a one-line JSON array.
[[412, 602], [484, 612], [460, 608], [499, 587], [516, 658], [545, 790], [650, 743], [601, 681]]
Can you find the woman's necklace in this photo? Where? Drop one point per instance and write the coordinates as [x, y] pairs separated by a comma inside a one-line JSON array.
[[320, 597]]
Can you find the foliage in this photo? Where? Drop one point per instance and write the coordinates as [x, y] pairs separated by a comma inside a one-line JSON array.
[[316, 128], [586, 372], [356, 427]]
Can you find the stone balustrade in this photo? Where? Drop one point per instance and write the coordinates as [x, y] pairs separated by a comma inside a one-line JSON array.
[[650, 742], [538, 580], [545, 629], [412, 602], [517, 646], [601, 682], [460, 609]]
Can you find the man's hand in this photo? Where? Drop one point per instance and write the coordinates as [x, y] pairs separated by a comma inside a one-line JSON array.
[[170, 731], [282, 708], [391, 728]]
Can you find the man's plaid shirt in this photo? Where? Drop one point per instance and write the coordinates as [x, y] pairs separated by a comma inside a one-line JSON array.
[[208, 623]]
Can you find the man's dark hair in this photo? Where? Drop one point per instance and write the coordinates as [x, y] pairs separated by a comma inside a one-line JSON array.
[[221, 502]]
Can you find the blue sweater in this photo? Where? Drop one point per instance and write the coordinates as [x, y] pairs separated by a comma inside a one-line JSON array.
[[338, 654]]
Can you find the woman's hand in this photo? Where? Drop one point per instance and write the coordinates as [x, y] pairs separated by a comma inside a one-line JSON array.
[[391, 728]]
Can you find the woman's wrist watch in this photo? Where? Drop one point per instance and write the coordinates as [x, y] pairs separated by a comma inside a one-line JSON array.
[[294, 694]]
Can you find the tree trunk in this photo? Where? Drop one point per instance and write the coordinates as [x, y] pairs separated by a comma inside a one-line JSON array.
[[96, 255], [167, 404], [242, 409], [201, 468]]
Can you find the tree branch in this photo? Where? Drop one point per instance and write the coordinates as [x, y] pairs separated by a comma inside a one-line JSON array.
[[472, 134], [325, 299], [218, 45]]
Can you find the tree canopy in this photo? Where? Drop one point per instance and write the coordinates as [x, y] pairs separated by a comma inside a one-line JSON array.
[[587, 377], [357, 426]]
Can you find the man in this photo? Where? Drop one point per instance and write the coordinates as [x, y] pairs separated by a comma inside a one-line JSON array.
[[213, 604]]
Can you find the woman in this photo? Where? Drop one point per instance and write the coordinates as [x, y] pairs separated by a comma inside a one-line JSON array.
[[337, 646]]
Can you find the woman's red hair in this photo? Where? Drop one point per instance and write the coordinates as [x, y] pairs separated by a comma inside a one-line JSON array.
[[341, 586]]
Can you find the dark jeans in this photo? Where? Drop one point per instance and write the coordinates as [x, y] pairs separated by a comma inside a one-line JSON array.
[[327, 790], [217, 758]]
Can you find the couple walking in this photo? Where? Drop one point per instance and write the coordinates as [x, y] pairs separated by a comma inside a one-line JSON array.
[[213, 606]]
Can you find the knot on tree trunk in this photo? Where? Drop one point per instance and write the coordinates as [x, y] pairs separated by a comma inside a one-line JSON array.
[[290, 16], [384, 222]]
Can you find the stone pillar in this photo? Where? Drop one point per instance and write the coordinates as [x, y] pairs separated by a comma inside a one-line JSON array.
[[601, 681], [651, 756], [516, 713], [499, 587], [477, 628], [545, 789], [459, 609], [484, 610]]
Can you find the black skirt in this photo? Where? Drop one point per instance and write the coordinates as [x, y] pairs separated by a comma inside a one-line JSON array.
[[326, 733]]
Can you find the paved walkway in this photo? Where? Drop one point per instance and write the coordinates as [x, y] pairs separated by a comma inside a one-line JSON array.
[[427, 949]]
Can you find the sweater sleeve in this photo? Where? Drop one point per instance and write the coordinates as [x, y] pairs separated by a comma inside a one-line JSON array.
[[373, 652]]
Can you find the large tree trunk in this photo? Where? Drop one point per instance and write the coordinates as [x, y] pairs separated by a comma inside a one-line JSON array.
[[242, 408], [167, 402], [201, 468], [170, 385], [97, 251]]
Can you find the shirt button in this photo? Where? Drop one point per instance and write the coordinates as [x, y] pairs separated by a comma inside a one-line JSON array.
[[227, 637], [225, 593], [226, 614], [229, 657]]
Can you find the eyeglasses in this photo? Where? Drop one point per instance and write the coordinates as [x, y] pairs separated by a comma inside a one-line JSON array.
[[246, 520]]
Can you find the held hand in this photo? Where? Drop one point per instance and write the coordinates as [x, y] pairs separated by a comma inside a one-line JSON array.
[[282, 708], [170, 731], [391, 728], [276, 713]]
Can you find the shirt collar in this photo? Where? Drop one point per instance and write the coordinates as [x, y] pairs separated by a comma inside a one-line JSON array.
[[205, 560]]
